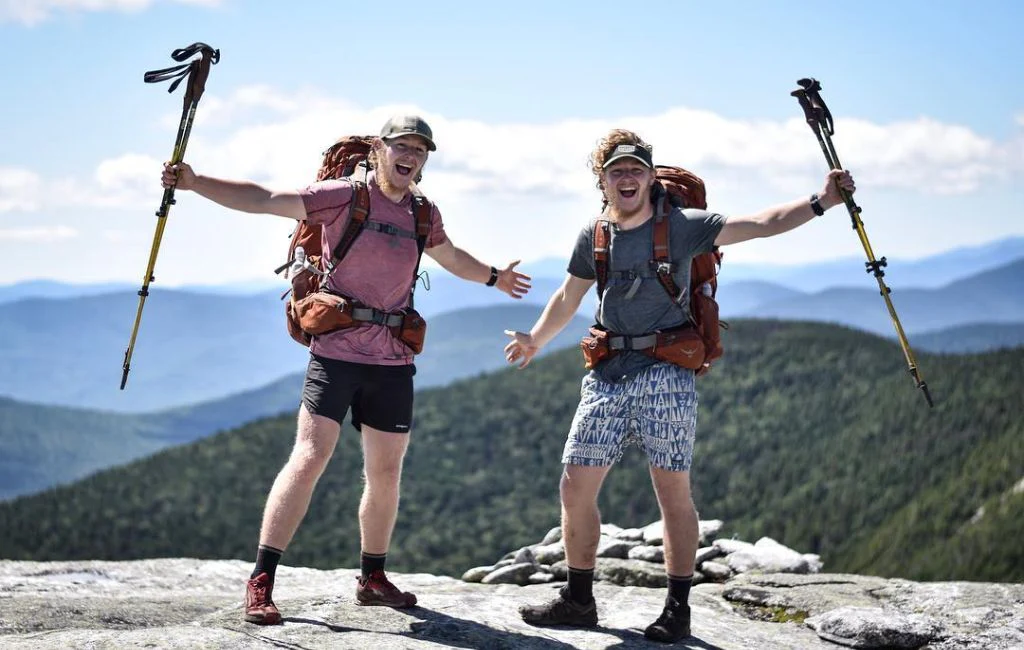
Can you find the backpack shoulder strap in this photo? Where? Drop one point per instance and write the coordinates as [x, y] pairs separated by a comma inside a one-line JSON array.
[[358, 211], [422, 211], [602, 241], [662, 258]]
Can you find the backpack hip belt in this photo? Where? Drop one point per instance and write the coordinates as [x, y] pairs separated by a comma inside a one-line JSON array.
[[321, 313], [682, 346]]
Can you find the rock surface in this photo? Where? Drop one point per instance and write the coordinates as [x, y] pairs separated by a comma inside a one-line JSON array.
[[183, 603]]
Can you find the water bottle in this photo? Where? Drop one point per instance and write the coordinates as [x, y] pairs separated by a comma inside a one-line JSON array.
[[299, 261]]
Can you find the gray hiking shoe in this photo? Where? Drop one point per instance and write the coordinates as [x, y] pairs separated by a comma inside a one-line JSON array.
[[561, 611]]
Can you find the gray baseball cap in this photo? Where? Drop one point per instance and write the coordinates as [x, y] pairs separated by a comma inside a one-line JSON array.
[[400, 125], [629, 151]]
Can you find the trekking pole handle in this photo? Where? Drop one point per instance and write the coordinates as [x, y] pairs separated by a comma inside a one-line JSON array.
[[815, 110]]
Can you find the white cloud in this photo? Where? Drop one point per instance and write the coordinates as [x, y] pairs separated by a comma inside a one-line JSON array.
[[491, 179], [47, 234], [32, 12], [276, 138], [20, 189]]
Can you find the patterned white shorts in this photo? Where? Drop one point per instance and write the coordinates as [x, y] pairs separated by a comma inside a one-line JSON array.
[[656, 409]]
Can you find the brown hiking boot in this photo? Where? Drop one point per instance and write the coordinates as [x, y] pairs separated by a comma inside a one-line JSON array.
[[378, 590], [259, 607], [561, 611]]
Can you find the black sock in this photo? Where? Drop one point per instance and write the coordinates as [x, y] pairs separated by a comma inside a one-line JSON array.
[[679, 588], [581, 585], [370, 562], [267, 558]]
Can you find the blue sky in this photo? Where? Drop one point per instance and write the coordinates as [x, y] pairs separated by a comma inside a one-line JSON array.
[[928, 99]]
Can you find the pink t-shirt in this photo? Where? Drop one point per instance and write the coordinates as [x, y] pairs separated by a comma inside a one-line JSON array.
[[377, 270]]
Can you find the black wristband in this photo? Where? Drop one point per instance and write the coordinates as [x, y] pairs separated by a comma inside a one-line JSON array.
[[816, 205], [494, 277]]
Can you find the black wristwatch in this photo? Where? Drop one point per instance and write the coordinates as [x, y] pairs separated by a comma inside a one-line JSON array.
[[494, 277], [816, 205]]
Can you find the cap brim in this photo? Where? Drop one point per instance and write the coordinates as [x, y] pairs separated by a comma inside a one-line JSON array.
[[618, 157], [430, 143]]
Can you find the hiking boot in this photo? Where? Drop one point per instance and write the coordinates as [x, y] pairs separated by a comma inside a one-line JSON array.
[[673, 624], [259, 606], [561, 611], [378, 590]]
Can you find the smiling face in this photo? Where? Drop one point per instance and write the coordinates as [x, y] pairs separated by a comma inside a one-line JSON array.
[[627, 187], [399, 160]]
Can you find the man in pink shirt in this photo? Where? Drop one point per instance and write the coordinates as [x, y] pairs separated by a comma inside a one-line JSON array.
[[364, 367]]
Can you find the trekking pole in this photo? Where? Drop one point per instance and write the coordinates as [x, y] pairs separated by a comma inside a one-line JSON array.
[[196, 71], [820, 120]]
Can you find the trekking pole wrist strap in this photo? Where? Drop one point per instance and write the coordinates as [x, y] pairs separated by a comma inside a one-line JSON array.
[[494, 277]]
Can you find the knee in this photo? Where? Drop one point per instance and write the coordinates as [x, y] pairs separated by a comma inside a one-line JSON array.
[[309, 460], [383, 475], [574, 494]]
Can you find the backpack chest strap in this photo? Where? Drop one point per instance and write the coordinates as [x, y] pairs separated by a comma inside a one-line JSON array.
[[388, 229]]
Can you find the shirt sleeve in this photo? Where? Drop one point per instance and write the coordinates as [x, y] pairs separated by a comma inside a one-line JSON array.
[[326, 201], [700, 229], [581, 264], [437, 234]]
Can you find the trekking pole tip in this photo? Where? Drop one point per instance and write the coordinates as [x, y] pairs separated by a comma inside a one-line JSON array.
[[927, 394]]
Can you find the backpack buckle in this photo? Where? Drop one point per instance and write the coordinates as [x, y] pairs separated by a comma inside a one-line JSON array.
[[663, 268]]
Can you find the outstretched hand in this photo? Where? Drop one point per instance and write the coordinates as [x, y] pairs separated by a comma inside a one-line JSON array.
[[522, 348], [513, 282], [179, 176]]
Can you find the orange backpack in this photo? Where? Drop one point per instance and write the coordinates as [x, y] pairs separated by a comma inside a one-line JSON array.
[[309, 267], [676, 187]]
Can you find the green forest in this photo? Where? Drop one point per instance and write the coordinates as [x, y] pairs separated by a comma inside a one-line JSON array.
[[811, 434]]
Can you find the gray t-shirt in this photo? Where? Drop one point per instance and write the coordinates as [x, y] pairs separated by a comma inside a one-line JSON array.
[[635, 303]]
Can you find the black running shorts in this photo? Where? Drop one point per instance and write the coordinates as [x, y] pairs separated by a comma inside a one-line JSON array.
[[380, 396]]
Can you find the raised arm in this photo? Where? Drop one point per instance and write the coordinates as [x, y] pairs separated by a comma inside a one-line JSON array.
[[562, 306], [463, 265], [244, 196], [781, 218]]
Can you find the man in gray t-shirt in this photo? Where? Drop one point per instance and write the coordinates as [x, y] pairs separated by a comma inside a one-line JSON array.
[[632, 397]]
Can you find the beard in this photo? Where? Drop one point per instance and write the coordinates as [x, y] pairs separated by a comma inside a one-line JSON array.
[[618, 209], [389, 181]]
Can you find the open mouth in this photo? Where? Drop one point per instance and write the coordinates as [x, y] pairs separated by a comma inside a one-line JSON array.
[[403, 170], [627, 193]]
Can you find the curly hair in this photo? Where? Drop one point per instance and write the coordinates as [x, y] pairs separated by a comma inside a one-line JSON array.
[[607, 144]]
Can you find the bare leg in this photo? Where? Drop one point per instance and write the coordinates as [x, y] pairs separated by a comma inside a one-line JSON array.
[[581, 519], [682, 530], [289, 497], [382, 467]]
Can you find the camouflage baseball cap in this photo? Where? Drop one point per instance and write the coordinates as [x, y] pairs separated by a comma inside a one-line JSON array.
[[400, 125], [629, 151]]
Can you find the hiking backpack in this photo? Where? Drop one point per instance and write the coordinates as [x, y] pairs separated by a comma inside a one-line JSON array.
[[308, 266], [676, 188]]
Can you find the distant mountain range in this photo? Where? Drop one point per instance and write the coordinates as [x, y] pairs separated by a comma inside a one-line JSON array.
[[995, 296], [929, 272], [198, 347]]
